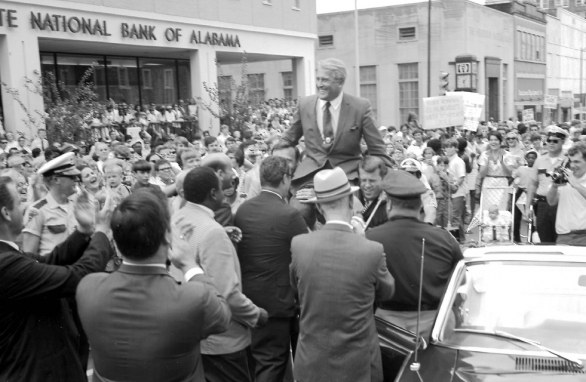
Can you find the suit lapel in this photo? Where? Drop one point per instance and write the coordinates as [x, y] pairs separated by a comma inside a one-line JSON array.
[[343, 120]]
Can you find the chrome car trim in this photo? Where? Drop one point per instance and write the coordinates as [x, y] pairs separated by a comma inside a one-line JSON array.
[[520, 352]]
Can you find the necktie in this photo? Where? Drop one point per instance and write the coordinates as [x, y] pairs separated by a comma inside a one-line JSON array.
[[328, 132]]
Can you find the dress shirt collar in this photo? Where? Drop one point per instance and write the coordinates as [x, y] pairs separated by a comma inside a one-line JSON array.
[[335, 103], [160, 265], [272, 192], [340, 222], [10, 243], [207, 211]]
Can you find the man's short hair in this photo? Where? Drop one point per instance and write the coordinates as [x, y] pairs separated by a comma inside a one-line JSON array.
[[6, 199], [161, 162], [371, 163], [336, 68], [209, 140], [139, 224], [578, 148], [198, 184], [238, 155], [451, 143], [286, 146], [141, 165], [272, 171]]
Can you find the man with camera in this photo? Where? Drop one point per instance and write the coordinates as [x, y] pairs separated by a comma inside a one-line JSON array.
[[568, 192], [539, 182]]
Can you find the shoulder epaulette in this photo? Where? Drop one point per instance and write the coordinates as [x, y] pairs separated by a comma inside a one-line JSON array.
[[38, 205]]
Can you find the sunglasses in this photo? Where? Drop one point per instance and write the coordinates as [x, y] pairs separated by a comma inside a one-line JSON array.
[[553, 141]]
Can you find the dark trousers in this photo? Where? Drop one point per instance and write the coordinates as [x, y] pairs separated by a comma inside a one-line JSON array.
[[232, 367], [270, 349], [545, 220], [518, 217]]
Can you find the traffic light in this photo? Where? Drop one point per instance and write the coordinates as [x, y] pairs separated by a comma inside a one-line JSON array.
[[444, 82]]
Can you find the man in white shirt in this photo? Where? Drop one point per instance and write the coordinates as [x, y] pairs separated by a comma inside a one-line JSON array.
[[570, 198], [457, 171]]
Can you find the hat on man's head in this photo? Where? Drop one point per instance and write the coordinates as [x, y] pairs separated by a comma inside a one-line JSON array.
[[62, 165], [402, 185], [556, 131], [410, 165], [330, 185]]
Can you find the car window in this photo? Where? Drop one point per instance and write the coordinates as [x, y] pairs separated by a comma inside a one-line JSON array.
[[542, 301]]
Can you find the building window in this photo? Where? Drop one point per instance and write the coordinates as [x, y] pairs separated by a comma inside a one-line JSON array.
[[565, 3], [326, 41], [169, 85], [256, 88], [406, 34], [544, 4], [287, 85], [368, 86], [580, 3], [408, 90], [147, 79], [225, 92]]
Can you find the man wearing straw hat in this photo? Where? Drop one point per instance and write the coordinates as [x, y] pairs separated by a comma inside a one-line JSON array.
[[337, 335]]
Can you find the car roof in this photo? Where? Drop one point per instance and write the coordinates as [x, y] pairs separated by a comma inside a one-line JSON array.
[[524, 250]]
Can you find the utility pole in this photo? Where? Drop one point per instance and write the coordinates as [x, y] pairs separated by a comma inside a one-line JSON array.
[[429, 48], [356, 53]]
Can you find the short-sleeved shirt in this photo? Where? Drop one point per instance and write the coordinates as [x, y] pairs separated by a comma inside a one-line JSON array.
[[50, 221], [457, 169], [571, 213], [542, 168]]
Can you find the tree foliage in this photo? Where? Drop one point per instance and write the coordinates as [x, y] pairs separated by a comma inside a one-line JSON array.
[[68, 109], [231, 102]]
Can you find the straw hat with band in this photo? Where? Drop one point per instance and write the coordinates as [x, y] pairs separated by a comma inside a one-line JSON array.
[[330, 185]]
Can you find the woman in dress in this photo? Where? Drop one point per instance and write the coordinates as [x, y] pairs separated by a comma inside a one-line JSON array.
[[496, 166]]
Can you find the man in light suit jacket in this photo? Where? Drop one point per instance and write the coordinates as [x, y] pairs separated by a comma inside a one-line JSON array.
[[333, 123], [224, 355], [338, 275], [268, 225], [143, 325]]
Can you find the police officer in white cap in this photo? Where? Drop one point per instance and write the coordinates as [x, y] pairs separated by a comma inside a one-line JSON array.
[[50, 220]]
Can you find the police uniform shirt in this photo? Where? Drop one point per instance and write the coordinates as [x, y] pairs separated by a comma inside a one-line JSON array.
[[543, 166], [50, 221]]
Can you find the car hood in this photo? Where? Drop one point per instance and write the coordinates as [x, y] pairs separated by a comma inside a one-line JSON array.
[[489, 367]]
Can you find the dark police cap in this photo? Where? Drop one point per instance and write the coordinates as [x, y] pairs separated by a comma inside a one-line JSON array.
[[402, 185]]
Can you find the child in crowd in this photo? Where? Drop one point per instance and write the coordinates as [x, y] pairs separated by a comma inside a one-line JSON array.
[[496, 225], [443, 191]]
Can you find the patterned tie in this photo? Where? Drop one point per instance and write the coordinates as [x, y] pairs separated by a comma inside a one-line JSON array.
[[328, 130]]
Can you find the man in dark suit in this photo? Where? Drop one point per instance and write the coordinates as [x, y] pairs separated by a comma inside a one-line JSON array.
[[401, 238], [338, 275], [39, 340], [268, 225], [142, 325]]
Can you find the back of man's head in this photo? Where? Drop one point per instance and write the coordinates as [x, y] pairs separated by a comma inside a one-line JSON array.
[[272, 171], [139, 225], [198, 184]]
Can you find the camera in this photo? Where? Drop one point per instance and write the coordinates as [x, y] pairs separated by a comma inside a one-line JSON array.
[[559, 176]]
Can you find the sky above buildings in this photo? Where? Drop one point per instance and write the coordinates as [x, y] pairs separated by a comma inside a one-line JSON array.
[[327, 6]]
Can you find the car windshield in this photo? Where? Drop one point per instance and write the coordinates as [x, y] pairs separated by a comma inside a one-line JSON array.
[[541, 301]]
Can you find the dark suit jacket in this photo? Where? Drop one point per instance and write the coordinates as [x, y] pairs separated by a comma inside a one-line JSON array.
[[144, 326], [355, 122], [338, 275], [268, 224], [39, 340], [401, 238]]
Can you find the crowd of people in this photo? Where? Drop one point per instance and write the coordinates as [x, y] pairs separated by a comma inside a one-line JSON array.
[[262, 227]]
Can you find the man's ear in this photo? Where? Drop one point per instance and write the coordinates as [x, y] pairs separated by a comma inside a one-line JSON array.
[[5, 214], [212, 194]]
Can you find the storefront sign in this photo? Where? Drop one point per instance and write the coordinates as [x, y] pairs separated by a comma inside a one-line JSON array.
[[530, 89], [49, 22]]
